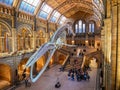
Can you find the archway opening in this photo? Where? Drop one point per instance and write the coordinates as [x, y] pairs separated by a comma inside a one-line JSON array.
[[24, 39], [21, 67], [41, 38], [61, 59], [5, 76], [5, 39], [40, 63]]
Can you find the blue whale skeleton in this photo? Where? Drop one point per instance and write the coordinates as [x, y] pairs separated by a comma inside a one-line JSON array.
[[56, 42]]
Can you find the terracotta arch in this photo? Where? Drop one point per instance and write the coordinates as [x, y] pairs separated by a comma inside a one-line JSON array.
[[7, 26], [5, 72], [21, 67], [24, 37], [40, 35], [40, 63], [25, 26], [61, 58]]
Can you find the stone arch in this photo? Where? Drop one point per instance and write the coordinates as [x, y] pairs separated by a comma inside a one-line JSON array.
[[21, 67], [41, 36], [5, 75], [25, 26], [61, 58], [40, 63], [5, 34], [4, 23], [96, 23], [91, 20], [24, 37], [5, 70]]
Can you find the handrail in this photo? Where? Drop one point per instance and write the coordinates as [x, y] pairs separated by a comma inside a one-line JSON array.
[[84, 58], [64, 63]]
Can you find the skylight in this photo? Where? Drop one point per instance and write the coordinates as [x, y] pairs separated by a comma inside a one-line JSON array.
[[29, 5], [45, 11], [32, 2], [8, 2], [55, 16], [62, 20]]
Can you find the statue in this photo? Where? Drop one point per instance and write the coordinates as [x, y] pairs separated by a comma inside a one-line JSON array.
[[56, 42]]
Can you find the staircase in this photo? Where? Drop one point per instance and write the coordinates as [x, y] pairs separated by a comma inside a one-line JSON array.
[[69, 62]]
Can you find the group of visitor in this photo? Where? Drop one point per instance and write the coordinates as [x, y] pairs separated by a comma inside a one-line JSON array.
[[78, 74]]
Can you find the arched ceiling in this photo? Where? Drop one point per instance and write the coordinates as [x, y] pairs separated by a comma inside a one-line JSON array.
[[78, 9], [73, 9]]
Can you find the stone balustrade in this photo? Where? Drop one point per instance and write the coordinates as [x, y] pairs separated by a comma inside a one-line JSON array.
[[6, 10]]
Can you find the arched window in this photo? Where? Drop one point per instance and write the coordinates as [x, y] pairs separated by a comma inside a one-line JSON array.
[[29, 5], [91, 27], [80, 27], [40, 37], [24, 39], [45, 11], [55, 16], [5, 39]]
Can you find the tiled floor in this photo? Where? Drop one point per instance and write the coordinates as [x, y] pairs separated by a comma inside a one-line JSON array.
[[49, 78]]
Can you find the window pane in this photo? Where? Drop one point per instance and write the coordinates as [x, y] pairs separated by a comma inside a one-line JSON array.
[[45, 11], [80, 26], [53, 19], [36, 2], [27, 7], [32, 2], [32, 9], [8, 2], [47, 8], [22, 5], [56, 14], [83, 28], [62, 20], [76, 28], [43, 14], [90, 26]]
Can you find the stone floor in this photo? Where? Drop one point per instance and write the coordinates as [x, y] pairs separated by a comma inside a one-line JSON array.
[[50, 77]]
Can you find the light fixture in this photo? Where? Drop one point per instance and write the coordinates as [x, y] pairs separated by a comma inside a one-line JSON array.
[[73, 42], [86, 41]]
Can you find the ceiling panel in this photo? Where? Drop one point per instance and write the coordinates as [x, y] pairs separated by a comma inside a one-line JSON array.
[[71, 8]]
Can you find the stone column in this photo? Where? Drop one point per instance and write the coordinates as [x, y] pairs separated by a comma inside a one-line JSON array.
[[103, 50], [33, 38], [115, 46], [107, 52], [86, 36], [0, 39], [14, 42], [118, 48]]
